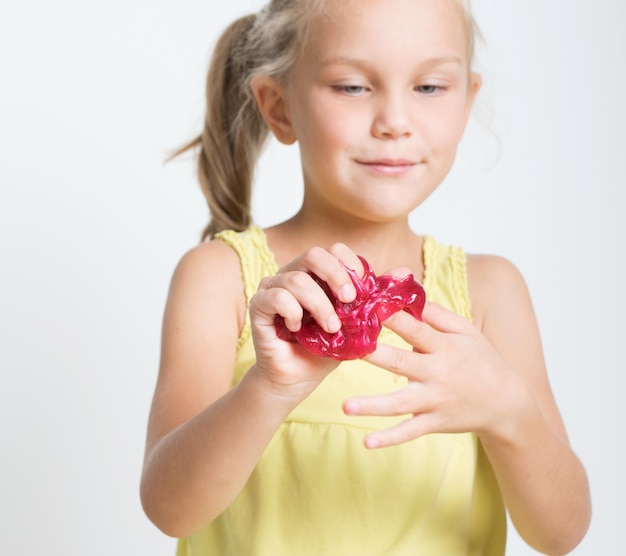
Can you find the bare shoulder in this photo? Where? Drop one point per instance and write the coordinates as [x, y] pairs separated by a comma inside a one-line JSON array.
[[207, 286], [206, 298], [495, 285], [206, 257], [208, 268]]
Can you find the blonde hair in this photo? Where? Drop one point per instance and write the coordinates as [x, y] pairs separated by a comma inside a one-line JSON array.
[[234, 133]]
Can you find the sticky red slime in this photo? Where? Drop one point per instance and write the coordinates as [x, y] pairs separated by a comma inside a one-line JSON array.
[[378, 297]]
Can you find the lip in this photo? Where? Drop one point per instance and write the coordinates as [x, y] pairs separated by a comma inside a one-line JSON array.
[[388, 166]]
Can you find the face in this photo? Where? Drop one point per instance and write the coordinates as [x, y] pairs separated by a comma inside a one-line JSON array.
[[378, 102]]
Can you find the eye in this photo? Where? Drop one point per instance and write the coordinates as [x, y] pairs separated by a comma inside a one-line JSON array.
[[428, 89], [350, 89]]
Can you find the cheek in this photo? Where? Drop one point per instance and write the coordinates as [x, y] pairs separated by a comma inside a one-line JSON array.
[[446, 130], [318, 142], [326, 131]]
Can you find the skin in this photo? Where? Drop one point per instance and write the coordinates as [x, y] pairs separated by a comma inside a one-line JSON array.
[[378, 124]]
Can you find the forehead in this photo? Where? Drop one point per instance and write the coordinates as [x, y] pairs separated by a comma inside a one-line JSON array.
[[387, 28]]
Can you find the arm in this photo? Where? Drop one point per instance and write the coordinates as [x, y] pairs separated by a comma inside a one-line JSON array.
[[192, 468], [543, 483], [490, 378], [204, 438]]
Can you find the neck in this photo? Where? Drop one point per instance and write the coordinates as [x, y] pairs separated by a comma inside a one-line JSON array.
[[386, 245]]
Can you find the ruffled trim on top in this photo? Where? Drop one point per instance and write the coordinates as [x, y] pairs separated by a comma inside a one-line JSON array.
[[445, 276], [428, 255], [256, 261], [458, 264]]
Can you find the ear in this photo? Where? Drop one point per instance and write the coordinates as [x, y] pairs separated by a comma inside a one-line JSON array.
[[271, 99], [474, 84]]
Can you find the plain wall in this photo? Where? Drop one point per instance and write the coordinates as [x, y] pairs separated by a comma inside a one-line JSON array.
[[92, 223]]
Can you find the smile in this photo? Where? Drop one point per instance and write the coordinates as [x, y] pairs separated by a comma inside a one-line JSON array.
[[389, 167]]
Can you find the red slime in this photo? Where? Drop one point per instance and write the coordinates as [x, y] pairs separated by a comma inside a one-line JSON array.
[[361, 320]]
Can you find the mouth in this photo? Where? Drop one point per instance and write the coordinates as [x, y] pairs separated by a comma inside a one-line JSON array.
[[388, 166]]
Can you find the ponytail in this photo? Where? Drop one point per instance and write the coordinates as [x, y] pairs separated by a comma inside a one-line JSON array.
[[233, 136], [267, 43]]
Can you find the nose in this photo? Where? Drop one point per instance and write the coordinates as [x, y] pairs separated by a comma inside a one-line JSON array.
[[392, 119]]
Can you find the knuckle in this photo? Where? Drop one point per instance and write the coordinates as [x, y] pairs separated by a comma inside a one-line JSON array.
[[407, 434], [267, 282], [338, 277], [339, 249], [400, 405], [415, 331], [280, 297], [296, 280], [312, 254], [398, 360], [398, 435]]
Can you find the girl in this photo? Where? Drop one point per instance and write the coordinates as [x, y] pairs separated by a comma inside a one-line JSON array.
[[257, 447]]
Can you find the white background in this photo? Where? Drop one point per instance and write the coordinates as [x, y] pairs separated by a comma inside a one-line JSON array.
[[94, 95]]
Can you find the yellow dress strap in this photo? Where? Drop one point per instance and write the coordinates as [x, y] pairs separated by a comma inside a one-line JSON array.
[[445, 276], [256, 260]]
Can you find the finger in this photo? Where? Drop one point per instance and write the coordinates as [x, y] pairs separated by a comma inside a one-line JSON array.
[[414, 427], [300, 288], [331, 266], [348, 257], [270, 301], [444, 320], [400, 361], [401, 402], [418, 334]]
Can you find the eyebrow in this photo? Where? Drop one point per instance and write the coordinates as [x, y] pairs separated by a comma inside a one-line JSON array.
[[362, 62]]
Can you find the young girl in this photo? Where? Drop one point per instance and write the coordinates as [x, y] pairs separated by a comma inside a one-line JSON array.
[[257, 447]]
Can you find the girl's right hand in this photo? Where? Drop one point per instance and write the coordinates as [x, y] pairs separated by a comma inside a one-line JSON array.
[[288, 368]]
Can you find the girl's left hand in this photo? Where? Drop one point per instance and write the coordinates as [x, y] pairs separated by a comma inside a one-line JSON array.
[[457, 381]]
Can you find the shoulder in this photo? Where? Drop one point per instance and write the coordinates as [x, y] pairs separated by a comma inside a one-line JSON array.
[[207, 281], [207, 267], [207, 262], [496, 288]]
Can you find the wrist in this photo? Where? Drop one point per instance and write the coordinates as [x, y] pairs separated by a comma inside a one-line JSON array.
[[516, 415], [276, 398]]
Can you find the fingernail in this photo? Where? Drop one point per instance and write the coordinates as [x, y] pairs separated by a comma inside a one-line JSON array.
[[347, 293], [372, 443], [333, 324], [352, 408]]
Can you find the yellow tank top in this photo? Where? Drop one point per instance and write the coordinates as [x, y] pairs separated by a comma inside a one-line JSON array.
[[317, 491]]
